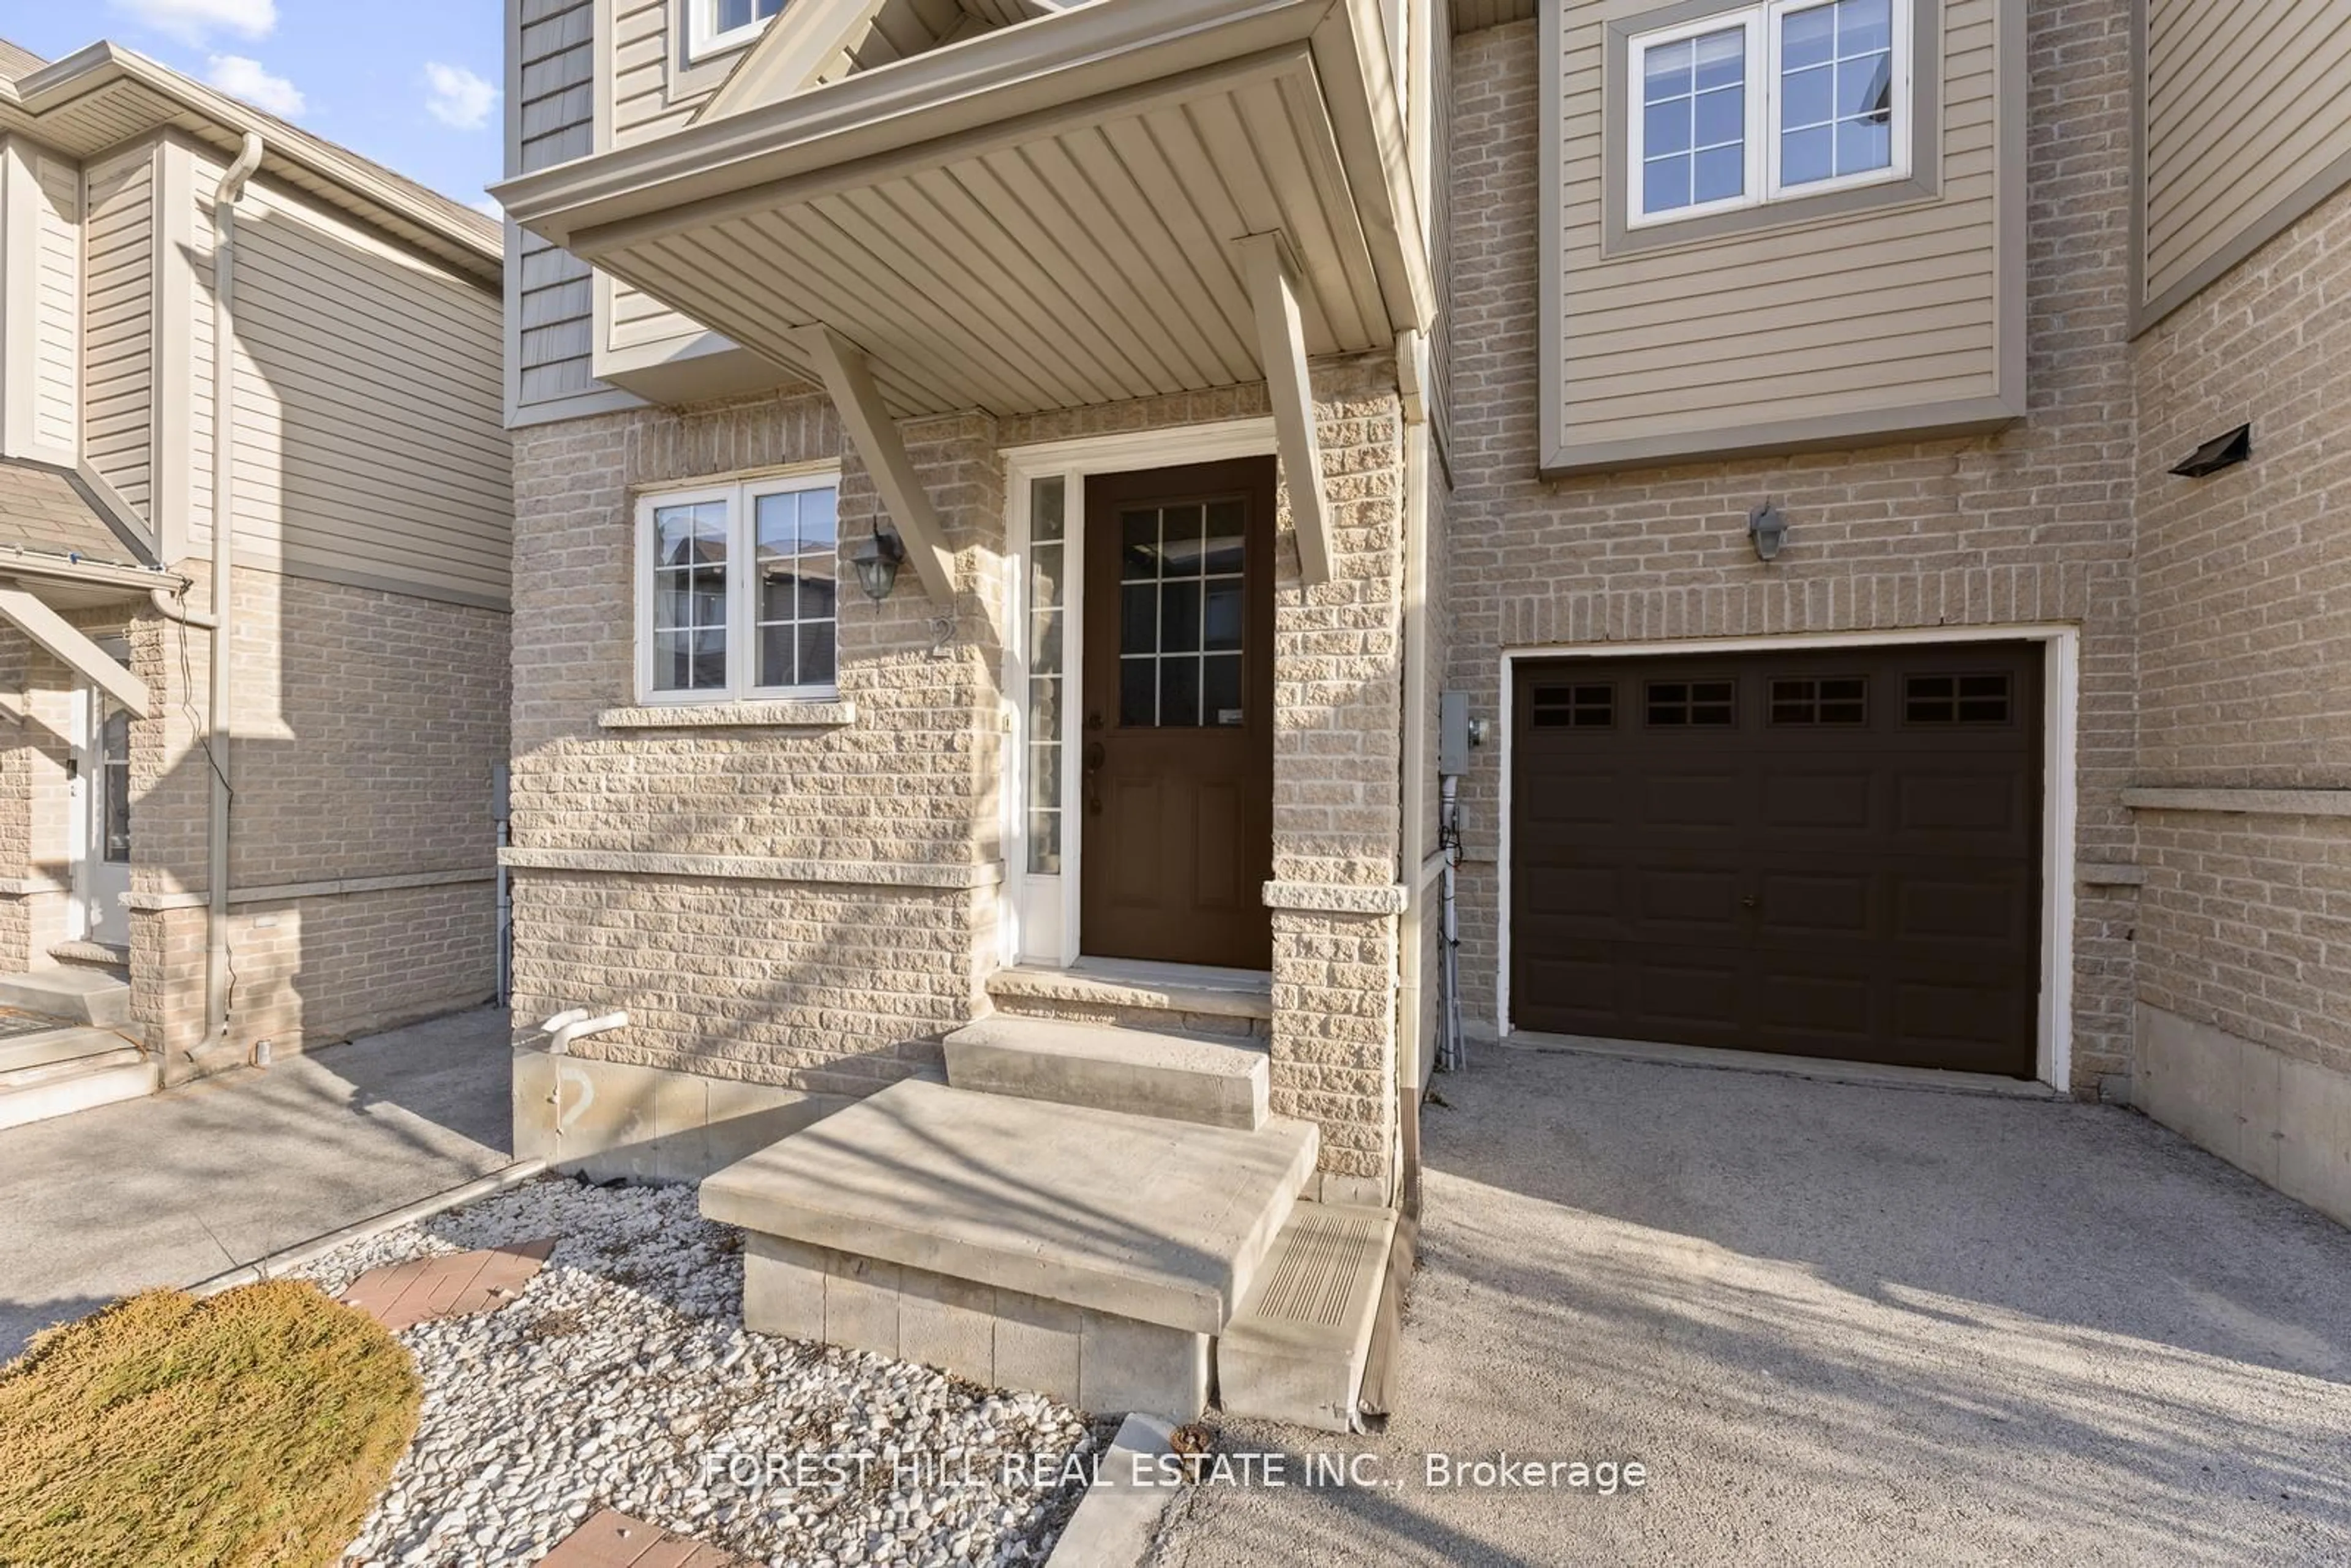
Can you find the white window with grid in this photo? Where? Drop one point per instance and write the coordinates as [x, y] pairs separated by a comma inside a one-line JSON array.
[[739, 591], [716, 25], [1766, 103]]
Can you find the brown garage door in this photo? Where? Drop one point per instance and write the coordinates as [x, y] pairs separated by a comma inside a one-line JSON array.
[[1823, 853]]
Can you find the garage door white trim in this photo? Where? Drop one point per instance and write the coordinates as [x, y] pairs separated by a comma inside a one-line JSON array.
[[2059, 805]]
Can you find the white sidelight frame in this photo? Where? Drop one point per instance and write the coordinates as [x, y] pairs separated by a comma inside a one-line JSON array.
[[2060, 791], [86, 805], [1040, 921]]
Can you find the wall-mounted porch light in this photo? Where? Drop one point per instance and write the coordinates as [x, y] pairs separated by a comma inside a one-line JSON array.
[[2220, 452], [877, 561], [1766, 530]]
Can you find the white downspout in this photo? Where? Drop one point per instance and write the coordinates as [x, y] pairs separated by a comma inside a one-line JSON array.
[[220, 719]]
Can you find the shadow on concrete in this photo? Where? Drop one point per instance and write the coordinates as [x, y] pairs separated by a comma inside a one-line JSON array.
[[1841, 1324], [185, 1185]]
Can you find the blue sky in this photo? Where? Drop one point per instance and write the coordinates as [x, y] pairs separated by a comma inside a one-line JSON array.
[[413, 84]]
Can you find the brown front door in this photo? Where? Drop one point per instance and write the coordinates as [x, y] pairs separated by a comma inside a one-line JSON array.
[[1821, 853], [1178, 728]]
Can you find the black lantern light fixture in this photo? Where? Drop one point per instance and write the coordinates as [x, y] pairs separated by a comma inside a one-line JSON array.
[[1766, 530], [877, 561]]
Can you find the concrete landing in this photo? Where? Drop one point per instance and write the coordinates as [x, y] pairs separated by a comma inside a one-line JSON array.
[[60, 1042], [81, 996], [30, 1094], [1161, 1222], [1104, 990], [1296, 1350], [1216, 1083]]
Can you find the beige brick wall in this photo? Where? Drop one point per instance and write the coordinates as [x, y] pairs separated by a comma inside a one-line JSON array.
[[367, 727], [809, 986], [844, 988], [2245, 634], [28, 749], [2033, 526]]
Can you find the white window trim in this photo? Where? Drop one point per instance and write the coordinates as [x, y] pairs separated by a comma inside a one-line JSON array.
[[1762, 182], [1898, 13], [742, 506], [1636, 112], [702, 39]]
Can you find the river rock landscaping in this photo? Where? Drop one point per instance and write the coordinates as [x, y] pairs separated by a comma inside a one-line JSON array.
[[621, 1377]]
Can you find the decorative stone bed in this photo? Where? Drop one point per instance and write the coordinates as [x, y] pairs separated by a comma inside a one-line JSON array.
[[622, 1377]]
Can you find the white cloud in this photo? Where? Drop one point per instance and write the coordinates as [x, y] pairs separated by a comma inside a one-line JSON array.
[[458, 97], [193, 21], [241, 78]]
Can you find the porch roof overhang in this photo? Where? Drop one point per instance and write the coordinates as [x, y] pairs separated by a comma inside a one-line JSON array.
[[1051, 215]]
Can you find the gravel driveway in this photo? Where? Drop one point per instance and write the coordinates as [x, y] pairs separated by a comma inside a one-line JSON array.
[[1837, 1323]]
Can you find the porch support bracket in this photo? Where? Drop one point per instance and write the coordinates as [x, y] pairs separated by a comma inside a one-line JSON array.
[[1272, 277], [842, 366], [62, 638]]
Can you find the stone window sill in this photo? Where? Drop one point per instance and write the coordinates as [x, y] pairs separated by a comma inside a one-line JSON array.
[[732, 715]]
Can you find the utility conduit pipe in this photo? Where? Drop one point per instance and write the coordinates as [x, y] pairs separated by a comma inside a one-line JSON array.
[[220, 719], [565, 1030]]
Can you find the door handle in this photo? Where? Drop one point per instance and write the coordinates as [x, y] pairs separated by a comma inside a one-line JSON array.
[[1094, 758], [1094, 755], [1751, 902]]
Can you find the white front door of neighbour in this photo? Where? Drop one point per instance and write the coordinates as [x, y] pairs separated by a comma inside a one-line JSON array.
[[102, 810]]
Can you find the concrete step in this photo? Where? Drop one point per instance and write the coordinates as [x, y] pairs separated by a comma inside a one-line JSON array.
[[81, 996], [1296, 1349], [61, 1088], [67, 1042], [1175, 997], [1216, 1083], [1086, 1254]]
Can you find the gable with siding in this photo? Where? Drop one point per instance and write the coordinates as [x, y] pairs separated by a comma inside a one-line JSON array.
[[367, 411]]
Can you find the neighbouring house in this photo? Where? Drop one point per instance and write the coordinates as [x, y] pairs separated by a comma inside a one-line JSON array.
[[1027, 510], [206, 859]]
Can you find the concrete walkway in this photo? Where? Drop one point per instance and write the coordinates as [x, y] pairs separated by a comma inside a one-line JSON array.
[[1837, 1323], [186, 1184]]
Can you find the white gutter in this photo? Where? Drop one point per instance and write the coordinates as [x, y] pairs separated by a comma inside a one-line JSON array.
[[221, 716]]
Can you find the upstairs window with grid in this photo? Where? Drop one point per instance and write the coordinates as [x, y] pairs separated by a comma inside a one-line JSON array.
[[1766, 103], [724, 24]]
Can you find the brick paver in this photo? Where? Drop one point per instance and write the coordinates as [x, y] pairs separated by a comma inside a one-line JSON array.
[[406, 1294], [611, 1540]]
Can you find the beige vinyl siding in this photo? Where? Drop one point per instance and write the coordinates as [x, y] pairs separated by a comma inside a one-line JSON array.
[[1837, 317], [367, 419], [643, 108], [642, 58], [554, 313], [118, 339], [57, 369], [2246, 106]]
